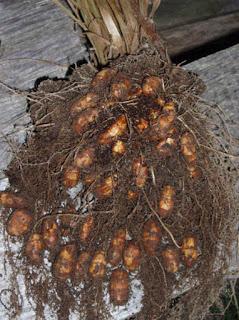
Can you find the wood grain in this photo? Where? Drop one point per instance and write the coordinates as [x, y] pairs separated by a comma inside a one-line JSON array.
[[189, 36], [37, 40]]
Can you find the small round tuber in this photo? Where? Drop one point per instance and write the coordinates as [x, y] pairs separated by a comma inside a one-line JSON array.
[[71, 177], [65, 262], [34, 248], [132, 195], [117, 129], [132, 256], [118, 148], [166, 202], [19, 222], [86, 228], [102, 76], [105, 189], [98, 265], [140, 171], [10, 200], [120, 90], [85, 158], [171, 260], [86, 117], [82, 266], [116, 247], [119, 287], [50, 233], [151, 237], [188, 147], [142, 124], [151, 86], [88, 101], [190, 250]]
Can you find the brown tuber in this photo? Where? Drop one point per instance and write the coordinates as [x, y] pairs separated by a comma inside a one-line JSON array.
[[132, 195], [19, 222], [34, 248], [166, 202], [86, 228], [98, 265], [118, 148], [151, 86], [151, 237], [132, 256], [140, 171], [85, 158], [65, 262], [116, 247], [188, 147], [81, 123], [50, 233], [194, 171], [82, 266], [88, 101], [166, 146], [102, 76], [160, 101], [120, 90], [189, 250], [71, 177], [119, 287], [142, 124], [117, 129], [171, 260], [105, 189], [10, 200]]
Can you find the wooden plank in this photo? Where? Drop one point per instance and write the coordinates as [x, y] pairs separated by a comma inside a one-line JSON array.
[[37, 40], [189, 36], [173, 13]]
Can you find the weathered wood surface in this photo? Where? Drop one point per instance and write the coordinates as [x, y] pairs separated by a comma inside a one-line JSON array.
[[174, 13], [52, 39], [37, 40], [186, 37]]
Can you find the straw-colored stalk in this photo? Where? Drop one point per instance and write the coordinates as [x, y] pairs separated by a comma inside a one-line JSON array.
[[114, 27]]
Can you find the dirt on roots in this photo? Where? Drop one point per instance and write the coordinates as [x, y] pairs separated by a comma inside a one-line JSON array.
[[203, 207]]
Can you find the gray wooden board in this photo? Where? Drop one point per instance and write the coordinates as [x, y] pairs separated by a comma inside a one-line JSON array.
[[174, 13], [193, 35], [53, 40], [35, 43]]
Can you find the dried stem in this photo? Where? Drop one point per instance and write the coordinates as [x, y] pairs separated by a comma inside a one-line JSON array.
[[114, 27]]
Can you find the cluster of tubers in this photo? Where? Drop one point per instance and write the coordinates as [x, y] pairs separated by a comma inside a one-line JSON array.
[[123, 255], [158, 127]]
